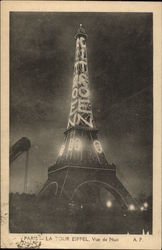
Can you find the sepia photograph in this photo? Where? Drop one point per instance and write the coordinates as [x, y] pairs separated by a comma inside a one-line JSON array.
[[81, 120], [69, 84]]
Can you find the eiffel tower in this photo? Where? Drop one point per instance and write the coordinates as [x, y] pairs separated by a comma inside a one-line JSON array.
[[81, 161]]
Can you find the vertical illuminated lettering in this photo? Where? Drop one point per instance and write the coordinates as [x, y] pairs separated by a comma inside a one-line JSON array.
[[82, 42], [74, 93], [83, 92], [73, 107]]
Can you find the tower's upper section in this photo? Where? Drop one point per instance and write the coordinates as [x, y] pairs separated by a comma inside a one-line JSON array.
[[81, 145], [81, 110], [81, 32]]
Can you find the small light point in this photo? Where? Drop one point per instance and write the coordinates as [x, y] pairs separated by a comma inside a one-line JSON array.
[[142, 208], [145, 204], [62, 150], [131, 207], [109, 204]]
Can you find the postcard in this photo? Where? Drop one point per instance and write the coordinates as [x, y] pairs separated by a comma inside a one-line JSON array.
[[81, 125]]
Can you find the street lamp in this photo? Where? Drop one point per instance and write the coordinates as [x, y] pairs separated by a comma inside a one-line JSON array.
[[142, 208], [145, 204], [131, 207]]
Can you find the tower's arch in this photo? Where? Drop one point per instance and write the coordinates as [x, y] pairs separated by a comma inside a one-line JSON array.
[[100, 184], [49, 190]]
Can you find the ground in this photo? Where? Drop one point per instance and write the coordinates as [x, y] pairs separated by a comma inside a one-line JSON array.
[[29, 215]]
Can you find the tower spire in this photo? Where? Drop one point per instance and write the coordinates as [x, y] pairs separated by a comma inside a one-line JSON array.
[[81, 109], [81, 32]]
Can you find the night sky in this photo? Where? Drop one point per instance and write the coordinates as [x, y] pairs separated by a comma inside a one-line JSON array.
[[119, 46]]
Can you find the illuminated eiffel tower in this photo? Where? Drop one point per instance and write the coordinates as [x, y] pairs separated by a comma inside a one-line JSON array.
[[81, 160]]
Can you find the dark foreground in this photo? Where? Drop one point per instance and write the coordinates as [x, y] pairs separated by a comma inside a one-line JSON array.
[[27, 215]]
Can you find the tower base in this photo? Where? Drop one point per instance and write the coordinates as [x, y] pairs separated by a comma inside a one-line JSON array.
[[66, 182]]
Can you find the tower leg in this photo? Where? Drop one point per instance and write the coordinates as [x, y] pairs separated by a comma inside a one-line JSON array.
[[50, 189]]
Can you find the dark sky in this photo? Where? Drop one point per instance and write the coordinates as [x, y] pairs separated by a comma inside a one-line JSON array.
[[42, 48]]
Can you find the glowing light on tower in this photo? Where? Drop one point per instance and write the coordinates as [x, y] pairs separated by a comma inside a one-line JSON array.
[[81, 109], [97, 146], [71, 143], [78, 144], [62, 150]]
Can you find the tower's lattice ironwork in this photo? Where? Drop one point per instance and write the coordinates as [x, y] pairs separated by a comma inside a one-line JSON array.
[[81, 145], [81, 158]]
